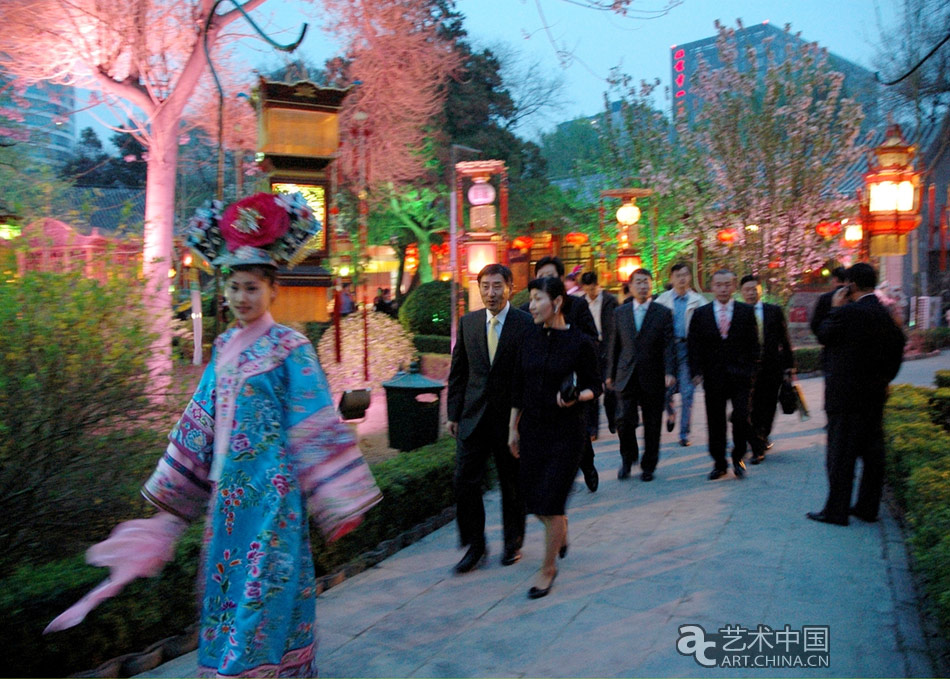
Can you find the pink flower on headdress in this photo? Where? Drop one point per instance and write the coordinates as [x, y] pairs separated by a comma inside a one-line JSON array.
[[257, 221]]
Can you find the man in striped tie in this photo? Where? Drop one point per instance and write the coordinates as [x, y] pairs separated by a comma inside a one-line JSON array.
[[724, 352]]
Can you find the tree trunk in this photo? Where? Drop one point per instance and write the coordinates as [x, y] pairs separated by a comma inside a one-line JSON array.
[[157, 253]]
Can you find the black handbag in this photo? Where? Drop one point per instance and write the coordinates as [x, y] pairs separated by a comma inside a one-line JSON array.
[[568, 388], [788, 396]]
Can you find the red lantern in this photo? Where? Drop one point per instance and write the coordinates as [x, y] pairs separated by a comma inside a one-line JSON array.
[[626, 265], [828, 230], [412, 258], [775, 264], [892, 208], [575, 238], [522, 243], [726, 236]]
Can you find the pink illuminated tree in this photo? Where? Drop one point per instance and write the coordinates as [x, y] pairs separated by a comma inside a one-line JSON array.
[[146, 57], [778, 140]]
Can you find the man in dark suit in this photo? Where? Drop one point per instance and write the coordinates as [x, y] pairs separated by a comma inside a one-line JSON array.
[[777, 361], [639, 369], [723, 346], [823, 306], [576, 313], [864, 350], [479, 406], [601, 305]]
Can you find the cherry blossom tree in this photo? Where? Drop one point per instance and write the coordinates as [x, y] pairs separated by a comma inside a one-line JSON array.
[[147, 57], [777, 139]]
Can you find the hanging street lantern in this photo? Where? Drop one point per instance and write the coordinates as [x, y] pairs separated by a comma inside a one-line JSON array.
[[853, 235], [626, 265], [575, 238], [891, 202], [522, 243], [727, 236], [828, 230]]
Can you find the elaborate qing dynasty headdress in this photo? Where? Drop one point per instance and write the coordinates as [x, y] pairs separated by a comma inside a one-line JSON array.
[[266, 228]]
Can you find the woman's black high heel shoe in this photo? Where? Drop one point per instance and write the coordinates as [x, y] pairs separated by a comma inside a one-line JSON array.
[[538, 592]]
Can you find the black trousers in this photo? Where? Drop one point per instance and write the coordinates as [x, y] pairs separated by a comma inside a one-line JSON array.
[[471, 462], [719, 391], [852, 435], [651, 404], [764, 403]]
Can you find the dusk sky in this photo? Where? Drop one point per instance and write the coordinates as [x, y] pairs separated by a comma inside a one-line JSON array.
[[599, 41]]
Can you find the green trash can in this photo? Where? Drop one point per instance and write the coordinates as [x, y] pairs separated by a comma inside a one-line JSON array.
[[412, 405]]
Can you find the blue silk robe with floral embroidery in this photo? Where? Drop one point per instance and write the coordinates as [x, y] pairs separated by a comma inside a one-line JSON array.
[[287, 452]]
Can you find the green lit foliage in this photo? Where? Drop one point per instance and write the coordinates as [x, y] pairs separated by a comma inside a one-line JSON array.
[[427, 311]]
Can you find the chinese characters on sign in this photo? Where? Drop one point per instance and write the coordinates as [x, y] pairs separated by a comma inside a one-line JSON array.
[[737, 646]]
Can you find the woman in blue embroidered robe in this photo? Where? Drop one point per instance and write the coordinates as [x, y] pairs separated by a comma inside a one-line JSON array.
[[258, 445]]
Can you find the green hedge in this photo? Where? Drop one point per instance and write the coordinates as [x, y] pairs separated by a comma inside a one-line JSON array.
[[416, 486], [433, 344], [942, 378], [807, 359], [427, 309], [918, 470]]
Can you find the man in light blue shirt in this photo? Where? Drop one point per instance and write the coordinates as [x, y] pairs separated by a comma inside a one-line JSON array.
[[682, 301]]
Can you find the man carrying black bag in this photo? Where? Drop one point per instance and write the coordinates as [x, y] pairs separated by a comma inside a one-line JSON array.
[[864, 352]]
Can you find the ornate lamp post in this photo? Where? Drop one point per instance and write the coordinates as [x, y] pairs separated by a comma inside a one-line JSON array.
[[891, 203], [481, 242], [628, 214]]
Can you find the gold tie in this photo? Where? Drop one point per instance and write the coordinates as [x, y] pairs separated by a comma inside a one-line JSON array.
[[492, 338], [759, 317]]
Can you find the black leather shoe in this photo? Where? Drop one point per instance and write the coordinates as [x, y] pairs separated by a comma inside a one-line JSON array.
[[611, 427], [739, 468], [591, 478], [473, 559], [716, 474], [623, 472], [646, 476], [511, 556], [538, 592], [821, 517], [867, 519], [670, 423], [757, 459], [684, 443]]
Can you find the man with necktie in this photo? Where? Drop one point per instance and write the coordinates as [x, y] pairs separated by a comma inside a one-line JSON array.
[[639, 369], [723, 345], [601, 305], [479, 406], [683, 301], [777, 361]]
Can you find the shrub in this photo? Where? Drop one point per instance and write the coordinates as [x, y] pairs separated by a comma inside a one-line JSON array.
[[427, 309], [433, 344], [520, 297], [940, 407], [416, 486], [807, 359], [390, 347], [918, 467], [942, 378], [73, 405]]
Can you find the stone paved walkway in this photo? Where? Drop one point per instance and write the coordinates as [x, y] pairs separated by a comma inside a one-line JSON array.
[[645, 558]]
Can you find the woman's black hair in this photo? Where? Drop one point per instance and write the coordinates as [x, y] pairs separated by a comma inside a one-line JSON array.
[[553, 287], [265, 271]]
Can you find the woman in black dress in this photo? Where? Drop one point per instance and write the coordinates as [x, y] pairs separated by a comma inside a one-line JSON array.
[[546, 432]]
